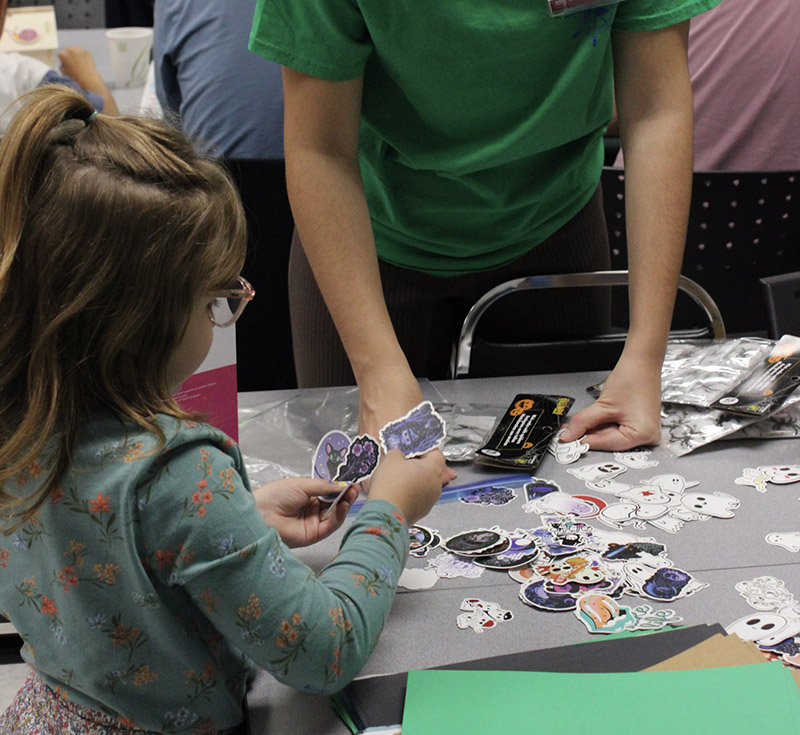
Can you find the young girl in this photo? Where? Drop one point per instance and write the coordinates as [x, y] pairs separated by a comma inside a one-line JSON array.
[[144, 576]]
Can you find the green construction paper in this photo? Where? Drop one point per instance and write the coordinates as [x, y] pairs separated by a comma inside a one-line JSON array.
[[732, 700], [341, 709]]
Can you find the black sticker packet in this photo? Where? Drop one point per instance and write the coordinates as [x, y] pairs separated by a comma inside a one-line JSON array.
[[769, 384], [525, 431]]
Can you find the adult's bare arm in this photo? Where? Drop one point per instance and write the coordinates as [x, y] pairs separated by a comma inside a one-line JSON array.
[[330, 210], [654, 103]]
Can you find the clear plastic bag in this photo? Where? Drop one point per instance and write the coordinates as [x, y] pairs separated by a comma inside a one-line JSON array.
[[282, 435]]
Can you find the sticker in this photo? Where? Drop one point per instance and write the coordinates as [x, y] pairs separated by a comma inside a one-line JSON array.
[[361, 460], [26, 35], [417, 579], [416, 433], [481, 615], [633, 550], [776, 474], [538, 488], [601, 614], [562, 504], [535, 595], [328, 457], [596, 472], [765, 593], [523, 575], [572, 569], [422, 540], [789, 540], [477, 542], [758, 626], [490, 495], [787, 650], [636, 459], [562, 535], [670, 483], [610, 487], [522, 551], [703, 506], [451, 566], [567, 452], [665, 583]]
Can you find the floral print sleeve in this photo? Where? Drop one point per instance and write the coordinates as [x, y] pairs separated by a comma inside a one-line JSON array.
[[148, 585], [204, 537]]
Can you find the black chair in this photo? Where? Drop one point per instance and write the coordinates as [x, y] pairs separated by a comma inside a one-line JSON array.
[[10, 643], [74, 13], [264, 359], [782, 299], [478, 356], [743, 226]]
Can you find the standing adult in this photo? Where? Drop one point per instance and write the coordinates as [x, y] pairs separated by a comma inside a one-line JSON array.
[[462, 143], [744, 62], [222, 94]]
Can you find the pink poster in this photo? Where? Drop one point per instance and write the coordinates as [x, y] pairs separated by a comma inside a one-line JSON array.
[[211, 391]]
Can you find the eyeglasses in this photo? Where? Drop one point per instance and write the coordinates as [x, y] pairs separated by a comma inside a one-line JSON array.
[[228, 305]]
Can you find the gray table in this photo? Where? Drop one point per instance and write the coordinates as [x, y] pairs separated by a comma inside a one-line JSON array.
[[421, 631], [94, 41]]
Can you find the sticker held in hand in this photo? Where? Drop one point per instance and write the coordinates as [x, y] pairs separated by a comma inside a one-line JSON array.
[[360, 461], [416, 433]]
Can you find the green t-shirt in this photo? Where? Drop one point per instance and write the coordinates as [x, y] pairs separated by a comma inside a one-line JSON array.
[[482, 122]]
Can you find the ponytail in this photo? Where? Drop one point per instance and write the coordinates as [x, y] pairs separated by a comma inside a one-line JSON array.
[[111, 228], [22, 150]]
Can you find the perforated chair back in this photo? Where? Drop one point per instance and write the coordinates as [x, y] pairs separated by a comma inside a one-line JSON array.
[[478, 356], [782, 299], [743, 226], [72, 13]]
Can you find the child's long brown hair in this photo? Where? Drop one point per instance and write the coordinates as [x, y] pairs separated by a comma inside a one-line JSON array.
[[111, 228]]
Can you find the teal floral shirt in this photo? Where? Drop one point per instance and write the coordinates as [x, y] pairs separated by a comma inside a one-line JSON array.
[[148, 585]]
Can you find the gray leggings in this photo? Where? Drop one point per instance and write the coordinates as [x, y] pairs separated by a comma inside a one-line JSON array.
[[427, 311]]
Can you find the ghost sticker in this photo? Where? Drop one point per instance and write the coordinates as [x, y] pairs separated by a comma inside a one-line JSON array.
[[776, 474], [765, 593], [567, 452], [636, 459], [597, 472], [665, 583], [789, 540]]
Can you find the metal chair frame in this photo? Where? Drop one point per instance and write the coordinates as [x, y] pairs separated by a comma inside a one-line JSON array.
[[715, 328]]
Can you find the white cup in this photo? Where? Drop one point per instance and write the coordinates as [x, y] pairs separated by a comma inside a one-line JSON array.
[[130, 55]]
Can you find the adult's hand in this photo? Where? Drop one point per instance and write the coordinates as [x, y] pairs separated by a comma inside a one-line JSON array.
[[626, 415]]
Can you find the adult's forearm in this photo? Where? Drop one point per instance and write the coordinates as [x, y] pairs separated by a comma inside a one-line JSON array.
[[658, 176], [332, 219], [654, 103]]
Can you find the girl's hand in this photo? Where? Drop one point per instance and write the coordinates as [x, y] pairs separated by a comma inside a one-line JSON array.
[[292, 506], [413, 485]]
